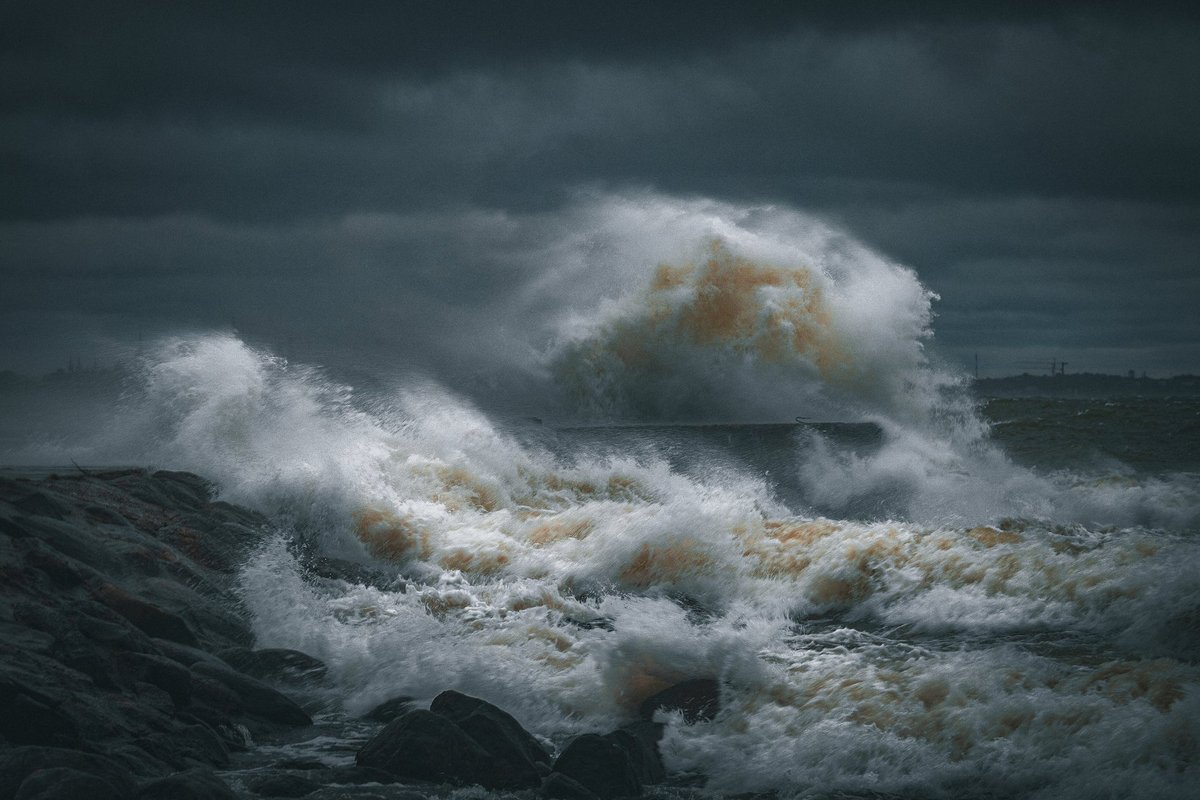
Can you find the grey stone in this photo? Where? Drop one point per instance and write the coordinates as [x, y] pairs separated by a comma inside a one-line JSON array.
[[600, 765]]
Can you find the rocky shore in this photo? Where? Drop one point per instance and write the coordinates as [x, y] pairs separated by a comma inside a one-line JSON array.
[[128, 669]]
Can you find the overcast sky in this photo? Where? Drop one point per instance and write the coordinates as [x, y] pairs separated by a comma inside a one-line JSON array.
[[372, 184]]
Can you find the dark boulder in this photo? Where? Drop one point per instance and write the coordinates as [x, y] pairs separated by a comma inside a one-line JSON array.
[[148, 618], [283, 786], [258, 699], [389, 710], [27, 720], [488, 724], [600, 765], [41, 504], [639, 740], [65, 783], [428, 746], [278, 664], [17, 765], [697, 699], [559, 787], [194, 784], [170, 676]]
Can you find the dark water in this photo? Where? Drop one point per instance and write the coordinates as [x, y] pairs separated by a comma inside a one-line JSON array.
[[927, 608]]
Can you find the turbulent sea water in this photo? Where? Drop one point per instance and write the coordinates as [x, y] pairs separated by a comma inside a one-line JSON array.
[[889, 612], [910, 593]]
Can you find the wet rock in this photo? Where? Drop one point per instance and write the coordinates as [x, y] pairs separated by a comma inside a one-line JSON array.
[[639, 740], [428, 746], [104, 516], [257, 698], [697, 699], [290, 666], [150, 619], [600, 765], [41, 504], [492, 727], [113, 631], [28, 721], [17, 765], [352, 775], [194, 784], [65, 783], [299, 763], [187, 746], [170, 676], [389, 710], [186, 489], [183, 654], [368, 793], [559, 787], [282, 786]]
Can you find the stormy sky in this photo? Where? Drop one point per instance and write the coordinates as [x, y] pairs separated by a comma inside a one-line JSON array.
[[386, 186]]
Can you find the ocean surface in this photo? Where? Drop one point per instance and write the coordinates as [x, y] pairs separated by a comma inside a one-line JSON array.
[[891, 610], [903, 590]]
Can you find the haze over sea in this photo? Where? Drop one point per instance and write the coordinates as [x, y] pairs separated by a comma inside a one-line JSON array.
[[907, 591]]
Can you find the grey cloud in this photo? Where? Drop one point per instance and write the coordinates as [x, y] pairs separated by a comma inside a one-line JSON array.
[[375, 184]]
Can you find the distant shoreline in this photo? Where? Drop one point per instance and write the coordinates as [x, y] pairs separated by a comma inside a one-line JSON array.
[[1087, 384]]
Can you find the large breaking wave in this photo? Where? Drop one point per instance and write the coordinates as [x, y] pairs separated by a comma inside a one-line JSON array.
[[918, 615]]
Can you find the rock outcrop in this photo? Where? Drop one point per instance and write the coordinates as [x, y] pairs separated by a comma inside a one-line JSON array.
[[116, 595]]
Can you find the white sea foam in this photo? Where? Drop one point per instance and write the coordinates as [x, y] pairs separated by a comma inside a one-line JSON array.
[[930, 618], [566, 589]]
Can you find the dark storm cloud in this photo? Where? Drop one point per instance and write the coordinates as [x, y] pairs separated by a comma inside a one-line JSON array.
[[1036, 163]]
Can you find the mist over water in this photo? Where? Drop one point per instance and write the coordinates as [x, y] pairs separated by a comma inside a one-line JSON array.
[[891, 602]]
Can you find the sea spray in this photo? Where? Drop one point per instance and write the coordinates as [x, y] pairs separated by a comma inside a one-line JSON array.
[[902, 610]]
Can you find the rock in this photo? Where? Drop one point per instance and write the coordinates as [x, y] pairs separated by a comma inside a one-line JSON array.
[[299, 763], [170, 676], [470, 713], [600, 765], [389, 710], [117, 632], [150, 619], [186, 489], [184, 654], [559, 787], [428, 746], [19, 764], [279, 664], [698, 699], [353, 775], [283, 786], [65, 783], [259, 700], [194, 784], [27, 721], [187, 746], [639, 740], [41, 504]]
